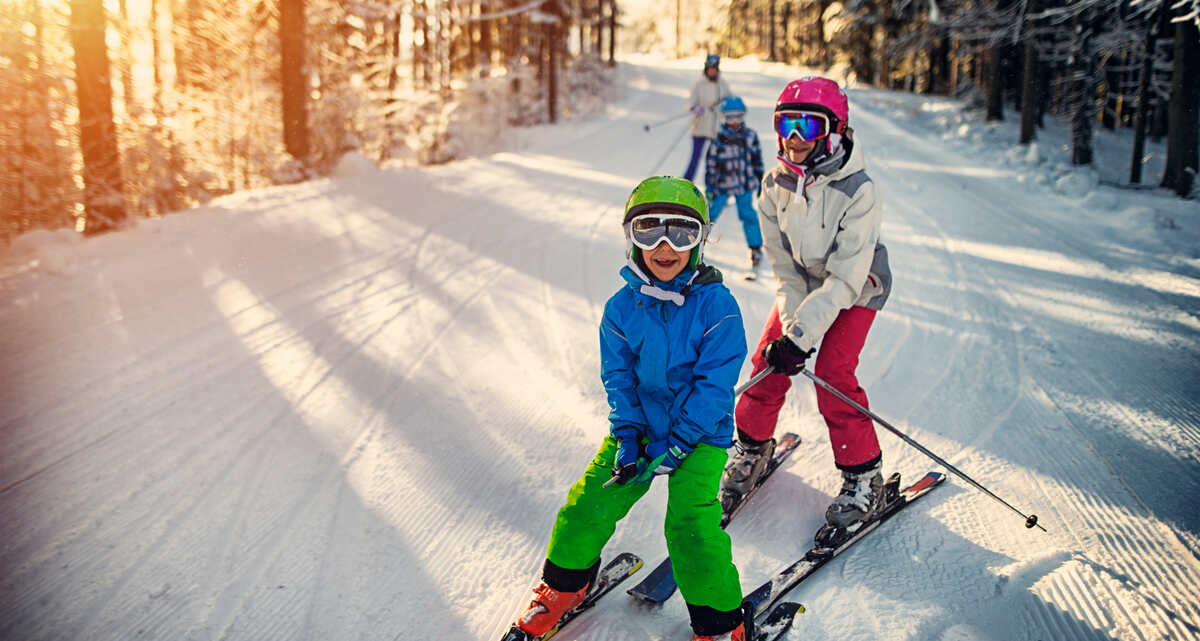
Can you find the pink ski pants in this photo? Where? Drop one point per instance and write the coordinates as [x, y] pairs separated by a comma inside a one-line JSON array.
[[851, 434]]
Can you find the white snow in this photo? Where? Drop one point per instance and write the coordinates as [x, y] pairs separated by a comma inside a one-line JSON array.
[[349, 408], [352, 164]]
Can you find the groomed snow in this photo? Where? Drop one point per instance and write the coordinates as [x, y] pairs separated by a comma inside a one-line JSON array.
[[349, 408]]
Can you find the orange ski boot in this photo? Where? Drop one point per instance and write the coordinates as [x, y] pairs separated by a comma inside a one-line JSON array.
[[548, 606], [736, 634]]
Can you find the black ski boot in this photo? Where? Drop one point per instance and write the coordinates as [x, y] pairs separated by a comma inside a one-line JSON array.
[[744, 470]]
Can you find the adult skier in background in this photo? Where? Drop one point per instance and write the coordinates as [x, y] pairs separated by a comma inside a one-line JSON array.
[[706, 96], [820, 215], [671, 349], [734, 167]]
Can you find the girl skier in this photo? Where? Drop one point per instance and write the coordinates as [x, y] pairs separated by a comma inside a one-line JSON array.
[[820, 217], [671, 348]]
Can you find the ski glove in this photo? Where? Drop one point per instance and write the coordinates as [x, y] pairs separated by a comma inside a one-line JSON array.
[[665, 457], [785, 356], [630, 461]]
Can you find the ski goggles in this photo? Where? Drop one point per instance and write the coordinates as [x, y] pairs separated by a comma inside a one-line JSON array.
[[806, 124], [681, 232]]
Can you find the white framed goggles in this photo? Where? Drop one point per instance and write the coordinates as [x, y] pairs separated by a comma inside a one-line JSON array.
[[809, 125], [648, 231]]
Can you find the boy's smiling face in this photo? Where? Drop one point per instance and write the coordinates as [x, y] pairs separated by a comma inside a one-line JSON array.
[[664, 262]]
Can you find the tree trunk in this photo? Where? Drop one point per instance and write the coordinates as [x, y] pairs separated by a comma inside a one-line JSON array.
[[104, 197], [678, 28], [1029, 99], [1154, 25], [612, 32], [599, 29], [785, 22], [294, 90], [1083, 91], [995, 85], [550, 31], [771, 27], [1183, 113], [486, 41]]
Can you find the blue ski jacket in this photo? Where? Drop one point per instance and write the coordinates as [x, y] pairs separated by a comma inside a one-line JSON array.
[[734, 163], [671, 354]]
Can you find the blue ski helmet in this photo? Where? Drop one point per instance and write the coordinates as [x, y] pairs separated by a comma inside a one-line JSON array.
[[733, 106]]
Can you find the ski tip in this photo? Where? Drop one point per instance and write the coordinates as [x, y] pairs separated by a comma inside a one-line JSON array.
[[642, 597], [777, 622], [786, 608]]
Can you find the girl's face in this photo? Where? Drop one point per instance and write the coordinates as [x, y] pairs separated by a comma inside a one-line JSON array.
[[797, 149], [664, 262]]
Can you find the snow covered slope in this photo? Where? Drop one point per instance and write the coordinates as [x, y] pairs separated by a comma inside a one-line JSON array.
[[349, 409]]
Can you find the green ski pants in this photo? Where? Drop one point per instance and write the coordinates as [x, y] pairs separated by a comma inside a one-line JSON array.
[[700, 550]]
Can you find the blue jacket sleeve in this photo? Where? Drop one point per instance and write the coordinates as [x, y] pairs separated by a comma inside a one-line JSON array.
[[617, 372], [722, 350]]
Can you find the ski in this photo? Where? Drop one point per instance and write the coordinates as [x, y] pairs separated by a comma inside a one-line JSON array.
[[791, 576], [776, 623], [659, 585], [622, 567]]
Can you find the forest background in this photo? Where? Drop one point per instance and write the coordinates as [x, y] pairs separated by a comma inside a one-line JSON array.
[[120, 110]]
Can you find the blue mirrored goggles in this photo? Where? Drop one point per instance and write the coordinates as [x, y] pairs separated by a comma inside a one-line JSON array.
[[648, 231], [806, 124]]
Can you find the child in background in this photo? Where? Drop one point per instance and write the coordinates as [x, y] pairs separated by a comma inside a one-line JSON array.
[[707, 94], [671, 349], [734, 167]]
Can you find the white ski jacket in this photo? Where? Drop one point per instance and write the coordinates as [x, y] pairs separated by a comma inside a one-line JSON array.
[[707, 94], [823, 242]]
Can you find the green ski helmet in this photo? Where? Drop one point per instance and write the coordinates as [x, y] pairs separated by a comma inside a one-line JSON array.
[[669, 194]]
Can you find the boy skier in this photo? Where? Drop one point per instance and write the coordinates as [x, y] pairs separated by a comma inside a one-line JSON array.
[[671, 349], [820, 217], [707, 93], [734, 167]]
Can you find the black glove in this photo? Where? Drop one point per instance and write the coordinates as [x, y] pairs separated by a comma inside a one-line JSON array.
[[785, 356]]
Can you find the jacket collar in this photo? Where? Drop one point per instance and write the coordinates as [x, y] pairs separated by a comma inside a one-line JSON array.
[[675, 290]]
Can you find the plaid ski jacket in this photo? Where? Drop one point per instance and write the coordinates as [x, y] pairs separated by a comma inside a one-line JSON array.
[[734, 163]]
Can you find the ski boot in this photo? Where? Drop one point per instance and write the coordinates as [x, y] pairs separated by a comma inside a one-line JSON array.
[[861, 496], [737, 634], [756, 256], [548, 606], [743, 471]]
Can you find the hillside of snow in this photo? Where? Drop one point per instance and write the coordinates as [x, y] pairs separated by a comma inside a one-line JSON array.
[[350, 408]]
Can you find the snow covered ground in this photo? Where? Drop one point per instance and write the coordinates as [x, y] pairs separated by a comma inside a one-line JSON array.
[[349, 409]]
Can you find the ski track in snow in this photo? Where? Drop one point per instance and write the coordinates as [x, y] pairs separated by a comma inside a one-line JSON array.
[[349, 409]]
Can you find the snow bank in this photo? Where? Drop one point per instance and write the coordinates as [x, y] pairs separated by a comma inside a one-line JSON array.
[[353, 164], [52, 252]]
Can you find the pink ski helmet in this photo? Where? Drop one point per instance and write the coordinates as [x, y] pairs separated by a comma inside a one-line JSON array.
[[814, 94]]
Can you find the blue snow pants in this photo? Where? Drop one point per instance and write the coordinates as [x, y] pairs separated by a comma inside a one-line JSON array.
[[746, 213], [697, 151]]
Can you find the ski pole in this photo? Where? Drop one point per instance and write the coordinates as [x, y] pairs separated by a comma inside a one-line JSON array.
[[669, 150], [652, 125], [754, 379], [1030, 520]]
